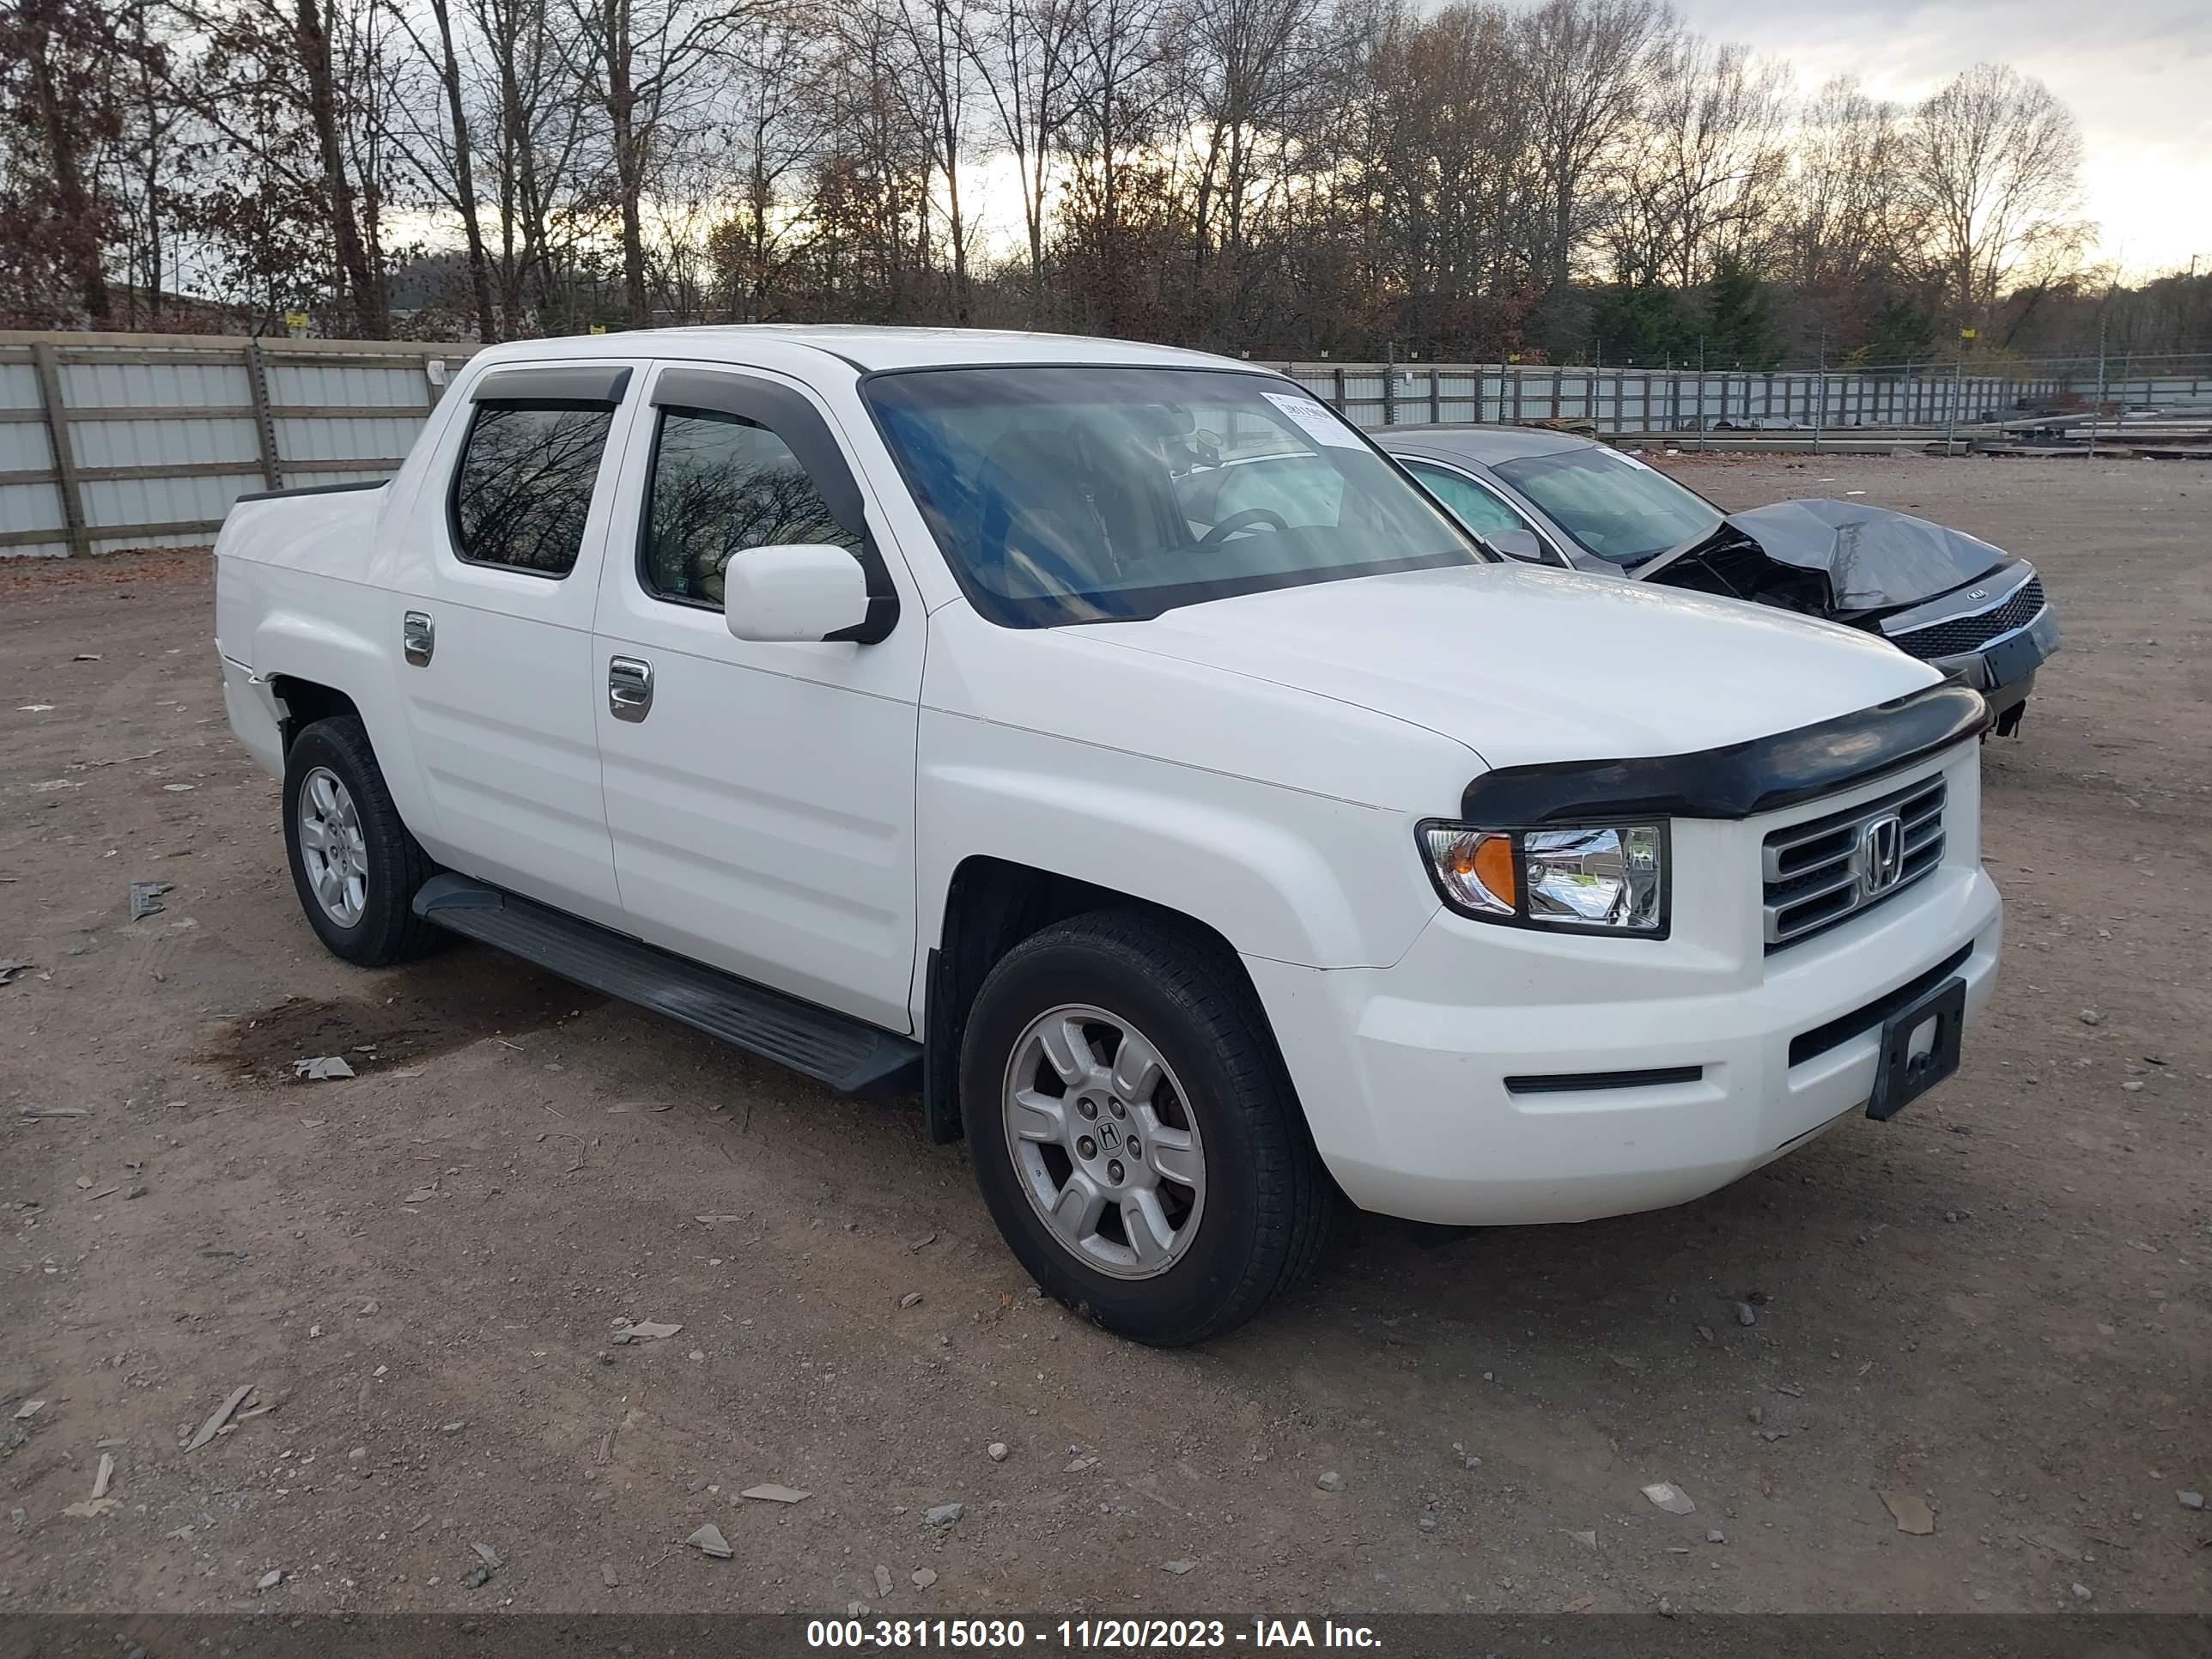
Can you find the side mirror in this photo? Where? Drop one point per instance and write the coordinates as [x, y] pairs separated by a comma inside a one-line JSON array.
[[802, 593], [1517, 544]]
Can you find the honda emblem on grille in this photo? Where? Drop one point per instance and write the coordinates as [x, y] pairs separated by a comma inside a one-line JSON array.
[[1880, 854]]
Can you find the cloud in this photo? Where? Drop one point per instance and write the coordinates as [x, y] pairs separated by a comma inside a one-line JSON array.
[[2135, 73]]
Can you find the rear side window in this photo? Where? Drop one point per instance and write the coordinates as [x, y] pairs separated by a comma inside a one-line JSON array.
[[523, 490], [721, 484], [1474, 506]]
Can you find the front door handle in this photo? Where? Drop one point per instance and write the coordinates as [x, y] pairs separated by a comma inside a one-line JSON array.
[[630, 688], [418, 637]]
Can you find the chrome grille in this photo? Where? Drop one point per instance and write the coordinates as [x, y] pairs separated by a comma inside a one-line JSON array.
[[1819, 872], [1957, 635]]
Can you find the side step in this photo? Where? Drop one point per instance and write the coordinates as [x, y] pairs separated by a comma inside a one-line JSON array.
[[843, 1052]]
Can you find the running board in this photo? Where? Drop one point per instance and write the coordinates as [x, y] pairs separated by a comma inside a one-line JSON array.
[[844, 1053]]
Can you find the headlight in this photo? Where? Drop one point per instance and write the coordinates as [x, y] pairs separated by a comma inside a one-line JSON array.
[[1600, 878]]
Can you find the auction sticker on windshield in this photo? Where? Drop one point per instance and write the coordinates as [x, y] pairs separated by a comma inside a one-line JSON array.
[[1315, 420]]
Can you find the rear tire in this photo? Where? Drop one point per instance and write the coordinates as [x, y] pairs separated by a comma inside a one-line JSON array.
[[1135, 1132], [354, 864]]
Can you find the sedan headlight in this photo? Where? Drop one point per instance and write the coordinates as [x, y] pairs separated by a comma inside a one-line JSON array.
[[1593, 879]]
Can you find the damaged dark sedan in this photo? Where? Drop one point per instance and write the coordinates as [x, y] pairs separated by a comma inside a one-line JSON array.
[[1969, 609]]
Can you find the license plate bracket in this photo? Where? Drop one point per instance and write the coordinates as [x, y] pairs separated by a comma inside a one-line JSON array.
[[2011, 659], [1909, 1069]]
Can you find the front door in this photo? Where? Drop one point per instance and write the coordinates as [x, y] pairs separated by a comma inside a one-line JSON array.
[[496, 575], [761, 796]]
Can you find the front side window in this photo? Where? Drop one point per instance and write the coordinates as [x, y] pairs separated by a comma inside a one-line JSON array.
[[1110, 494], [1613, 504], [523, 490], [720, 484]]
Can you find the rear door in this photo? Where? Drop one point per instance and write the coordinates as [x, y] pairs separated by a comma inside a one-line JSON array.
[[761, 796], [498, 573]]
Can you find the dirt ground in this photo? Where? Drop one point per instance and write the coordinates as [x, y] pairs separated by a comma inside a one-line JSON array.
[[1997, 1304]]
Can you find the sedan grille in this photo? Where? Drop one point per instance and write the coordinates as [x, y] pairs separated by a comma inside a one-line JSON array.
[[1819, 872], [1959, 634]]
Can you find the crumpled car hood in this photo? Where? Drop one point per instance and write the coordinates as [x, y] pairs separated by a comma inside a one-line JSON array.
[[1872, 558]]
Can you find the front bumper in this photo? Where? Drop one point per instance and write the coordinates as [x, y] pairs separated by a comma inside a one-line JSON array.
[[2001, 670], [1403, 1072]]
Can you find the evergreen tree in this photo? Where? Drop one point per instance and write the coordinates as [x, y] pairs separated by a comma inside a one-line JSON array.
[[1643, 324], [1739, 333]]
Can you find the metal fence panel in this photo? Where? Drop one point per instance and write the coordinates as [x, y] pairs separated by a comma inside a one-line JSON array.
[[316, 442], [180, 442], [163, 432]]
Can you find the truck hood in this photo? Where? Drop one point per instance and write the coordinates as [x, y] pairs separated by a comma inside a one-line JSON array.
[[1872, 558], [1527, 665]]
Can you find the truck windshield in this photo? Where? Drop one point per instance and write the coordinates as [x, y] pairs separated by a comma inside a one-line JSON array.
[[1613, 504], [1083, 494]]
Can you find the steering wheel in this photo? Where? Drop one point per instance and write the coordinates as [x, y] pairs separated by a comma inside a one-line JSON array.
[[1244, 520]]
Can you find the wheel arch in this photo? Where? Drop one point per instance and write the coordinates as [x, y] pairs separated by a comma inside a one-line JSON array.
[[306, 701], [991, 905]]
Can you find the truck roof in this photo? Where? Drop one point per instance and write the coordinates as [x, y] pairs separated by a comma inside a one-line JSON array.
[[866, 348]]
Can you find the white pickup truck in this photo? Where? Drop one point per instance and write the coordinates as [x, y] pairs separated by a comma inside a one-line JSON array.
[[1211, 844]]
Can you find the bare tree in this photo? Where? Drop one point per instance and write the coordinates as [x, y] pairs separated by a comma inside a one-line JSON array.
[[270, 74], [1997, 162], [1119, 95], [1440, 150], [1249, 61], [1850, 215], [940, 54], [1704, 174], [441, 155], [55, 86], [535, 120], [1582, 68], [776, 125], [647, 66], [1026, 50]]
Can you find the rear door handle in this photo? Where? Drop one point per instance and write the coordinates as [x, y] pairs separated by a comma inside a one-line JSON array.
[[630, 688], [418, 636]]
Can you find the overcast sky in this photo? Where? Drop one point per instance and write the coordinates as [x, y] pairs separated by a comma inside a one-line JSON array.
[[2137, 74]]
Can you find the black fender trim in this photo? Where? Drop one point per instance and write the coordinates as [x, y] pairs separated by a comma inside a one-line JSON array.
[[311, 489], [1738, 780]]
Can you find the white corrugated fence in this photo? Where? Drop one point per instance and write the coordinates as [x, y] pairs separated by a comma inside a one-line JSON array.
[[114, 440]]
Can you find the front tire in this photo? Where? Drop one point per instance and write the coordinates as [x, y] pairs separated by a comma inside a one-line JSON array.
[[1133, 1130], [354, 864]]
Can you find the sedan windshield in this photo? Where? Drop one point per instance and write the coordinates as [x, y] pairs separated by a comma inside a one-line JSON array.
[[1070, 494], [1613, 504]]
